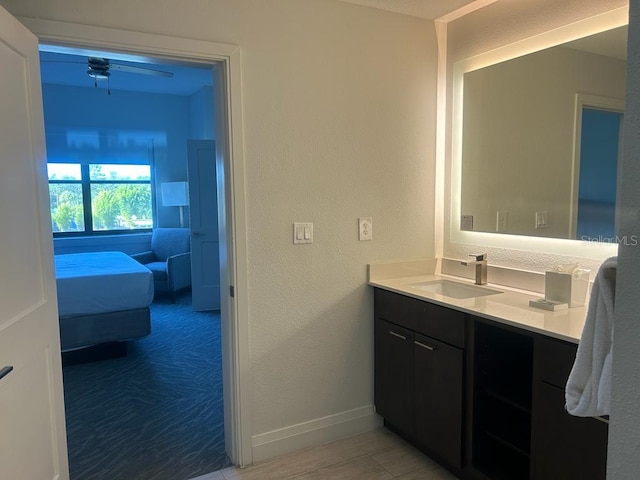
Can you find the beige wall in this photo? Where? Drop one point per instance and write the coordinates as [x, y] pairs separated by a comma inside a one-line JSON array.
[[518, 136], [339, 122], [499, 24]]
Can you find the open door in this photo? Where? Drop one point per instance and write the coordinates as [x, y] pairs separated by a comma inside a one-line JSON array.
[[32, 426], [203, 219]]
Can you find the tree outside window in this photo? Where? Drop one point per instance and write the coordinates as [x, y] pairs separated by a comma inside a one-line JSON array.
[[98, 198]]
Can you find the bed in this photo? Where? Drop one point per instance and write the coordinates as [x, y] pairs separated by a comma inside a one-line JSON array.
[[102, 297]]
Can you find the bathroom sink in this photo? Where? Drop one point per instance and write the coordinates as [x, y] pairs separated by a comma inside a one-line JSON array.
[[453, 289]]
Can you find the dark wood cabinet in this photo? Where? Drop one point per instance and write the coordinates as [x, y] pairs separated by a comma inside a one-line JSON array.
[[394, 375], [484, 399], [419, 378], [563, 446], [438, 377], [441, 323]]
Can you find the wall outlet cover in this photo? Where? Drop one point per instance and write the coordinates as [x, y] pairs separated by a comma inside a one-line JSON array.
[[365, 228]]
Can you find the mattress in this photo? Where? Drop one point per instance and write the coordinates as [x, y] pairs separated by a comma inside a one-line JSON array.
[[101, 282]]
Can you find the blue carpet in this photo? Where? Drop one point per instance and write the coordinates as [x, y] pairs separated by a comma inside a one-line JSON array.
[[157, 413]]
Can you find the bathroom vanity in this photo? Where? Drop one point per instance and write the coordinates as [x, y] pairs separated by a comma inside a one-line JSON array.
[[477, 382]]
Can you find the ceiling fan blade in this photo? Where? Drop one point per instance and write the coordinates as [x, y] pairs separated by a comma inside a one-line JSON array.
[[62, 61], [145, 71]]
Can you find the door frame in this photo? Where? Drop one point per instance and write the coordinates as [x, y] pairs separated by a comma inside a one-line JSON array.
[[225, 58]]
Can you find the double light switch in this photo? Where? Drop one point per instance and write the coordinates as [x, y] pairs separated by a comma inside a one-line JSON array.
[[303, 232]]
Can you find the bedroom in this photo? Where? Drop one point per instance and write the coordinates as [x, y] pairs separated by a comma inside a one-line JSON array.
[[86, 121]]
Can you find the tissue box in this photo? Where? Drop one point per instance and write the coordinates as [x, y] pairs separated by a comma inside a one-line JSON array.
[[568, 288]]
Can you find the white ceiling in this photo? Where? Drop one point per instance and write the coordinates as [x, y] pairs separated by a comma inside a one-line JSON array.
[[429, 9]]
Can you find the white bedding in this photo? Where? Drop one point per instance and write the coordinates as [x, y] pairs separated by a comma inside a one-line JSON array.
[[101, 282]]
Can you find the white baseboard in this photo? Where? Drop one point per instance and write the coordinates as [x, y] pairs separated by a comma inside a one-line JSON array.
[[314, 432]]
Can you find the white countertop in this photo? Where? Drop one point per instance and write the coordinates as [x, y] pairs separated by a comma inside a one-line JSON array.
[[510, 307]]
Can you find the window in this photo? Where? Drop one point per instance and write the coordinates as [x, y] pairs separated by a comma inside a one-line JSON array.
[[99, 198]]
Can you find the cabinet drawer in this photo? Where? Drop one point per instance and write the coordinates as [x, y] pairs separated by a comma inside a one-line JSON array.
[[554, 360], [420, 316]]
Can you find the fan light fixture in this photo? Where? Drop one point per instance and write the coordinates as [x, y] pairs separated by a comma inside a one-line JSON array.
[[98, 69], [98, 75]]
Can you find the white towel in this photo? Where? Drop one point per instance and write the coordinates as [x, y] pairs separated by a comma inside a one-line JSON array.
[[588, 392]]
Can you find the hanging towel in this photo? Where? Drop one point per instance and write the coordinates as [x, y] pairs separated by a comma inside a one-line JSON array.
[[588, 392]]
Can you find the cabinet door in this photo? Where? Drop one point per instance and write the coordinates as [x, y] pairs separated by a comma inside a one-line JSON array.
[[394, 374], [565, 446], [438, 383]]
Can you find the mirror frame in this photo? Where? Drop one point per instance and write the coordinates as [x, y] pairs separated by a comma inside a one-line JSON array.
[[590, 26]]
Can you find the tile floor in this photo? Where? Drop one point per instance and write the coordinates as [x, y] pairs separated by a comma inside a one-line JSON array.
[[376, 455]]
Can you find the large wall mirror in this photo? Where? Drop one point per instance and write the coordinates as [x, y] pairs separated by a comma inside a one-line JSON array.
[[537, 135]]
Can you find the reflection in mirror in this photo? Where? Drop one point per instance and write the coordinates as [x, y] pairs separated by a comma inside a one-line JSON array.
[[540, 140], [597, 167]]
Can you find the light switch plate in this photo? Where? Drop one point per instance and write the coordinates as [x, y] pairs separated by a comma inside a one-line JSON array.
[[365, 228], [501, 221], [466, 223], [541, 220], [302, 232]]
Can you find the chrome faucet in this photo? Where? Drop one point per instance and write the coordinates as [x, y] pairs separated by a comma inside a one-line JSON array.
[[480, 263]]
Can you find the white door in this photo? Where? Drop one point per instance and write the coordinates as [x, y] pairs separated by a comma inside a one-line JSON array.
[[32, 427], [203, 219]]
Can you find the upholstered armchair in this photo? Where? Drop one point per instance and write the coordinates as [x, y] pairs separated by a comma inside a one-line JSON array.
[[169, 260]]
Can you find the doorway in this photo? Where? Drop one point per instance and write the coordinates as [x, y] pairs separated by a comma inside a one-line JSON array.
[[122, 414], [231, 197], [597, 149], [599, 156]]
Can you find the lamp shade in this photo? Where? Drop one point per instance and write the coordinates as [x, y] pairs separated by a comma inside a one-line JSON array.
[[175, 194]]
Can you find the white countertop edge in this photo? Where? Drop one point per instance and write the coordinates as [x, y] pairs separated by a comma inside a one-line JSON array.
[[509, 308]]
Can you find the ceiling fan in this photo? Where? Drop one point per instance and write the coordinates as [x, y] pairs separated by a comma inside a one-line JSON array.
[[100, 68]]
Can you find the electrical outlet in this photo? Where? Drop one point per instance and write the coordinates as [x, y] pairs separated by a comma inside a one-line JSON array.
[[365, 228], [501, 221]]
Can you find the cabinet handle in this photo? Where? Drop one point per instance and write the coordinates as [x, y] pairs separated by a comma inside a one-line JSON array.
[[422, 345], [397, 335], [5, 371], [602, 419]]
